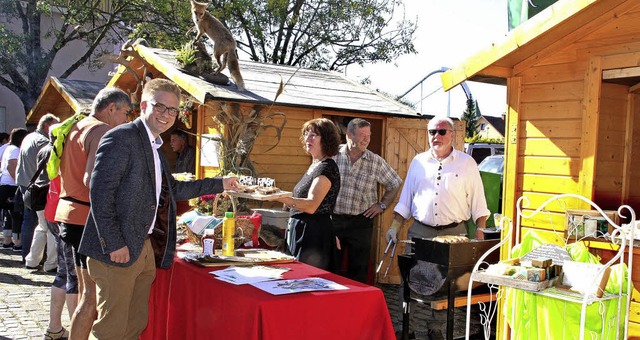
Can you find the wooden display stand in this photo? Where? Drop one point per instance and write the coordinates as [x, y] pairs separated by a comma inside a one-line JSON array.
[[582, 283]]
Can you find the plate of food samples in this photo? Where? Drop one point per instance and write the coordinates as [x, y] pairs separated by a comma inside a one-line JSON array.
[[261, 189]]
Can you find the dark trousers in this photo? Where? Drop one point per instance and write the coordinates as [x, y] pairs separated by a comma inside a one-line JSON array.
[[354, 233], [29, 221], [13, 219]]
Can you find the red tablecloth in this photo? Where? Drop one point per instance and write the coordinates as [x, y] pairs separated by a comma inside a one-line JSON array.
[[189, 303]]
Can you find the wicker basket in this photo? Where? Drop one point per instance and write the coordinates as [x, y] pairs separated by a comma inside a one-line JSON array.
[[244, 227]]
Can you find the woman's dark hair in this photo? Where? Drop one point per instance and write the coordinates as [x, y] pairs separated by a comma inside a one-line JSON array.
[[329, 136], [17, 135]]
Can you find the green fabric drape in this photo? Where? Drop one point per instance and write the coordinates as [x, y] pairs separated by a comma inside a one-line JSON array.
[[532, 316]]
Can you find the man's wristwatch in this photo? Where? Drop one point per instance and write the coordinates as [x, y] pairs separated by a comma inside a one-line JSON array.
[[383, 206]]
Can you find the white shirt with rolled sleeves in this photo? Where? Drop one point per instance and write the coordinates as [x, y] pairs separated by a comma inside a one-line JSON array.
[[436, 196]]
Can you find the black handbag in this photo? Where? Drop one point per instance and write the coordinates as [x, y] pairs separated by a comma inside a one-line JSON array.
[[35, 196]]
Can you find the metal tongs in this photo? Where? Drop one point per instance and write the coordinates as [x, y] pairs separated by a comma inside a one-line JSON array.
[[386, 250], [393, 252]]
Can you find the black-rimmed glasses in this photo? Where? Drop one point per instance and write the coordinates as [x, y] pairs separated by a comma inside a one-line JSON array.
[[441, 132], [161, 108]]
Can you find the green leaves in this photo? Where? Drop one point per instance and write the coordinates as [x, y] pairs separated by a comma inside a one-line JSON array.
[[470, 117], [187, 55], [319, 34]]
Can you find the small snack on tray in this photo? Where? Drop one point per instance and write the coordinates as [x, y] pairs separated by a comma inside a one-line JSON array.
[[247, 184], [267, 186], [451, 239]]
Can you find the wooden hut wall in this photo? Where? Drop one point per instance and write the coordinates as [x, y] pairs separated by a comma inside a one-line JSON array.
[[632, 182], [544, 139], [288, 161], [570, 132], [560, 126]]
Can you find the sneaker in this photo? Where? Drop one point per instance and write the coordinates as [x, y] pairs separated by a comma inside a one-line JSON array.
[[52, 270], [31, 268], [6, 246], [61, 334], [17, 249]]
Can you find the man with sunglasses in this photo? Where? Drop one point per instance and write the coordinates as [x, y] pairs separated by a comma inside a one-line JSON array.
[[131, 228], [443, 189]]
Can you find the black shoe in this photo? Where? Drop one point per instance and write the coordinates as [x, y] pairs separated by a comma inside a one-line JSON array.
[[31, 268], [17, 249], [7, 246], [52, 271]]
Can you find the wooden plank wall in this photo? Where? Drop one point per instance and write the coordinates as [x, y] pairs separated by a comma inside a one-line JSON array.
[[288, 161], [285, 163], [632, 185], [549, 138], [611, 144]]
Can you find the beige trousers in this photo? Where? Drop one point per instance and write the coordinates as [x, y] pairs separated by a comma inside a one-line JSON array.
[[122, 296]]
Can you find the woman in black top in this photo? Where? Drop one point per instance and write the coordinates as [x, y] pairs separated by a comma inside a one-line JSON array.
[[310, 237]]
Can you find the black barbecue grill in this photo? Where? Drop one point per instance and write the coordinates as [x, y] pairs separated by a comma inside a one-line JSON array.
[[436, 269]]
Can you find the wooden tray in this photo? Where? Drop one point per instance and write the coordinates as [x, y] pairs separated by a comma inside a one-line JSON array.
[[507, 281], [247, 260], [260, 197]]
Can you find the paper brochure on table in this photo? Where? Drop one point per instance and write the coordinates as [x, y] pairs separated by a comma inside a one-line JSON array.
[[309, 284], [253, 274]]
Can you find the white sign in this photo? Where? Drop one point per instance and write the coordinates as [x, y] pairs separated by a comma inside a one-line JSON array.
[[209, 149]]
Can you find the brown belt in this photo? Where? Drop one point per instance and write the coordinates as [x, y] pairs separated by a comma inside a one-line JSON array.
[[441, 227]]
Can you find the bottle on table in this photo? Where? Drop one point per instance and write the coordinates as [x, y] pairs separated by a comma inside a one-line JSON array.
[[228, 229], [208, 242]]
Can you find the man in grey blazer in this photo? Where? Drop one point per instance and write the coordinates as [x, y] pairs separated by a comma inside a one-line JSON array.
[[131, 228]]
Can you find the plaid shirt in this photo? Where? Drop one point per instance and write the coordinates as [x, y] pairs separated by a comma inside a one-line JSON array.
[[358, 181]]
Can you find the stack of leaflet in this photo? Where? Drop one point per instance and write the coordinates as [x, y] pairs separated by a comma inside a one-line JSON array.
[[246, 275]]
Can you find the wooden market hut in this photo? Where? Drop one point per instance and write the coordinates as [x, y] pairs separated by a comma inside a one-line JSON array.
[[573, 110], [64, 98], [398, 131]]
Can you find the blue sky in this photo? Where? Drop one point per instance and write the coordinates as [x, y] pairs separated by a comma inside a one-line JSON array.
[[449, 31]]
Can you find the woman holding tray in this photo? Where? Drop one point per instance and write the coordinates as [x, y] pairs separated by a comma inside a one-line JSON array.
[[310, 237]]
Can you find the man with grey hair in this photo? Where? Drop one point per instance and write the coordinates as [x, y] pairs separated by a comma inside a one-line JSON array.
[[26, 169], [360, 172], [442, 190], [110, 108]]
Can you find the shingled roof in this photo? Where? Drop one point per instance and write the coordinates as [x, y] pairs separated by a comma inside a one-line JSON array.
[[64, 97], [304, 88]]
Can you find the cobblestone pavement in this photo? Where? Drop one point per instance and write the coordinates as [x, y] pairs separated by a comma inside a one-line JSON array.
[[24, 299], [24, 304]]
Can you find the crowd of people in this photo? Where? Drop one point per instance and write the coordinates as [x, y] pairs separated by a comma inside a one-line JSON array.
[[111, 217]]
